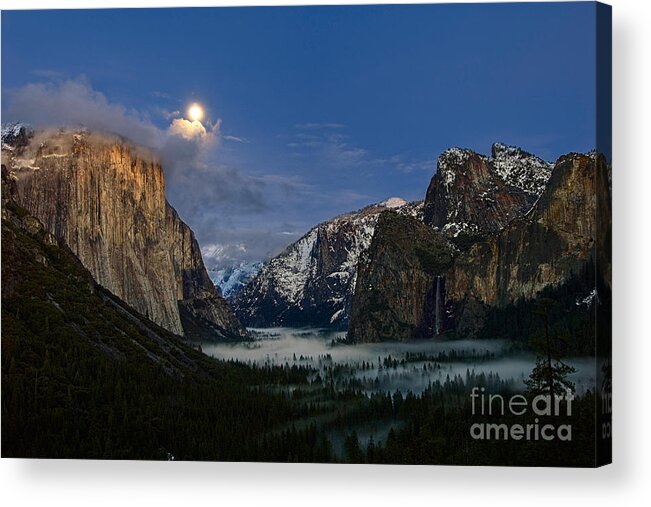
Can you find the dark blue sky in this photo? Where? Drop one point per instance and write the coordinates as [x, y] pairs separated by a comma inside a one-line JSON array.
[[322, 109]]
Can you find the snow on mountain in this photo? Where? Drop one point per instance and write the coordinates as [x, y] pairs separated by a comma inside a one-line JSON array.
[[393, 202], [450, 160], [312, 281], [231, 280], [15, 135], [474, 195], [468, 198], [10, 131], [520, 169]]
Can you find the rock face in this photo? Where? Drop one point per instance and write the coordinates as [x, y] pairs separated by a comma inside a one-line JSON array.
[[472, 195], [544, 248], [204, 312], [399, 293], [312, 282], [106, 200], [531, 228], [15, 136], [44, 273], [521, 169]]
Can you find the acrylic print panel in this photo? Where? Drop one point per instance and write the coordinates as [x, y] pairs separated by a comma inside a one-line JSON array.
[[368, 234]]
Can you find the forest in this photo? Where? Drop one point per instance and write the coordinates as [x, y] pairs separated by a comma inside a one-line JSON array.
[[84, 376]]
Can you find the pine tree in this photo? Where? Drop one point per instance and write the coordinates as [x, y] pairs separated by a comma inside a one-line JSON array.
[[353, 449], [549, 376]]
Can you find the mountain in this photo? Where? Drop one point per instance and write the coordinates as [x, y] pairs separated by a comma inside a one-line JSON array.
[[516, 258], [472, 196], [521, 169], [469, 198], [230, 280], [398, 294], [105, 199], [311, 283], [41, 271], [15, 136], [85, 376], [544, 248]]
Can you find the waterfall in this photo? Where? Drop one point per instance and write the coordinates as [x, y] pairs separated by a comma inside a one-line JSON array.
[[437, 307]]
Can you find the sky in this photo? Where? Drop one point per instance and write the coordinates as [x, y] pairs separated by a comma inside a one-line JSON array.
[[310, 112]]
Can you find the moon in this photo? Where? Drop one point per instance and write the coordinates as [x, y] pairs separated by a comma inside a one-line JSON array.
[[195, 112]]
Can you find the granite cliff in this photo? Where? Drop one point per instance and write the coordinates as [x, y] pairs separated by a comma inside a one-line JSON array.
[[551, 243], [105, 199], [311, 283], [398, 292], [472, 195], [518, 228]]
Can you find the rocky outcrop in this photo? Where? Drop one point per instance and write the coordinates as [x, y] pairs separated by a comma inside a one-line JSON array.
[[204, 312], [15, 136], [469, 199], [48, 293], [472, 196], [311, 283], [520, 169], [399, 292], [544, 248], [105, 199], [526, 237]]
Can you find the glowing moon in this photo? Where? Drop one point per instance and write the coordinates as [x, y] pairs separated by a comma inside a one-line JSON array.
[[195, 112]]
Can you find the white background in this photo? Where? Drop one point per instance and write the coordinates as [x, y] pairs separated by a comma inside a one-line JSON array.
[[626, 482]]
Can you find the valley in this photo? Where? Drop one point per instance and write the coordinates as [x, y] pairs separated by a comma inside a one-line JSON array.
[[390, 366], [356, 342]]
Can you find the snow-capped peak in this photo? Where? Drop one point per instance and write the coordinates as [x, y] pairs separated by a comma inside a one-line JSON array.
[[231, 279], [315, 276], [15, 133], [454, 156], [521, 169], [450, 161], [393, 202]]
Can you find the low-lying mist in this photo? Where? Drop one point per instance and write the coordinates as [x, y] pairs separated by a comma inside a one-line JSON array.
[[391, 366]]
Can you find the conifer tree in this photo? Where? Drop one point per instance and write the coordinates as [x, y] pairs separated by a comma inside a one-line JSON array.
[[550, 375]]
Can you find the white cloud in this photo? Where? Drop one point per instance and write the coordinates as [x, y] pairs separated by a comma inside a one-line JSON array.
[[169, 115], [330, 147], [237, 214], [75, 103], [203, 188], [236, 139], [325, 144], [319, 126], [408, 166], [187, 129]]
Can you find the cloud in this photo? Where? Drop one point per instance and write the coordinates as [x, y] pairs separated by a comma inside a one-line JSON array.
[[195, 130], [246, 244], [409, 166], [74, 103], [161, 95], [47, 73], [317, 126], [331, 148], [238, 210], [326, 145], [224, 204], [187, 129], [169, 115], [236, 139]]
